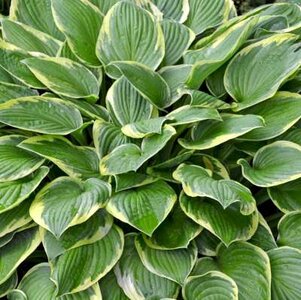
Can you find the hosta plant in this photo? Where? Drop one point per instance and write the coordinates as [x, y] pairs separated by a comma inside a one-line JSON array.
[[150, 150]]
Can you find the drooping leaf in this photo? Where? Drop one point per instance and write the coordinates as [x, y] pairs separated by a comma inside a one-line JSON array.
[[209, 134], [64, 77], [40, 114], [229, 225], [76, 161], [143, 207], [274, 164], [249, 79], [87, 263], [77, 201], [130, 33], [80, 22], [9, 285], [171, 264], [213, 285]]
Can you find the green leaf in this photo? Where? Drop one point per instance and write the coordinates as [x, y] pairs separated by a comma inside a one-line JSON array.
[[65, 77], [207, 243], [12, 193], [110, 288], [175, 232], [213, 53], [87, 263], [71, 18], [8, 285], [125, 104], [16, 163], [36, 285], [10, 60], [288, 228], [215, 82], [258, 70], [129, 157], [94, 229], [279, 113], [40, 114], [37, 14], [147, 82], [29, 39], [16, 251], [229, 225], [107, 137], [285, 265], [178, 38], [136, 281], [209, 134], [213, 285], [197, 182], [206, 14], [76, 200], [204, 265], [76, 161], [249, 267], [104, 5], [16, 295], [174, 10], [171, 264], [274, 164], [144, 207], [287, 196], [10, 91], [130, 33]]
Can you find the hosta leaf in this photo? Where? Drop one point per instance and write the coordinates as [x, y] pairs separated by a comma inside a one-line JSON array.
[[217, 50], [87, 263], [249, 267], [16, 295], [274, 164], [130, 33], [15, 218], [146, 81], [249, 79], [94, 229], [65, 77], [207, 243], [9, 284], [16, 163], [177, 37], [10, 91], [77, 201], [40, 114], [280, 113], [287, 196], [197, 182], [76, 161], [213, 285], [215, 82], [136, 281], [175, 232], [174, 10], [36, 285], [144, 207], [263, 237], [129, 157], [171, 264], [107, 137], [204, 14], [110, 288], [285, 265], [29, 39], [229, 225], [12, 193], [71, 18], [37, 14], [288, 230], [125, 104], [10, 60], [16, 251], [204, 265], [105, 5], [212, 133]]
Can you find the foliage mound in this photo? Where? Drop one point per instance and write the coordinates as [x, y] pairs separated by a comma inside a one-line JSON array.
[[150, 150]]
